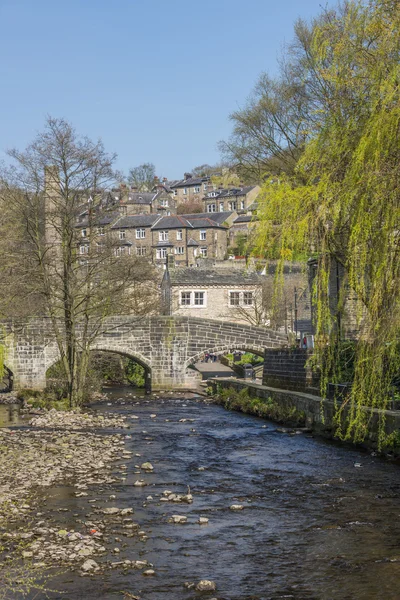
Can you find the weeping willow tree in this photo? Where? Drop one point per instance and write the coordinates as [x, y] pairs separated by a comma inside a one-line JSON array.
[[342, 203]]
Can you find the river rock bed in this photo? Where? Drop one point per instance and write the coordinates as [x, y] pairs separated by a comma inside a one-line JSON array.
[[34, 459]]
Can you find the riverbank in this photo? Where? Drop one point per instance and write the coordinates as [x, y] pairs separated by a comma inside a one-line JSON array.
[[227, 498], [77, 450], [300, 409]]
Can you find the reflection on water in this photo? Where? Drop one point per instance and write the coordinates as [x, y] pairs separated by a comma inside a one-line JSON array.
[[9, 415]]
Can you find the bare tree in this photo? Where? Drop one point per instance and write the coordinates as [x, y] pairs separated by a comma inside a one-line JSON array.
[[76, 276], [142, 177]]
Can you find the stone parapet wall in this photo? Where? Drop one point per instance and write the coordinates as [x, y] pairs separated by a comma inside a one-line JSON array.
[[288, 369]]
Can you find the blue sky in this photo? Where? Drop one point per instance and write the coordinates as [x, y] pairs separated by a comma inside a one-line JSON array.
[[155, 79]]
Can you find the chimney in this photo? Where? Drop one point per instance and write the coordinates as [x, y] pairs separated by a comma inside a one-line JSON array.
[[187, 176], [134, 188]]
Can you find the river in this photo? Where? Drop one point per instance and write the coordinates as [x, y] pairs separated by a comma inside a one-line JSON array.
[[320, 520]]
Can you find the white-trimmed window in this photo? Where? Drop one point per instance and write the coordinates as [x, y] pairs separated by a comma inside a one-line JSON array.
[[122, 234], [180, 250], [248, 298], [242, 205], [141, 251], [100, 231], [164, 202], [84, 232], [161, 253], [140, 233], [179, 235], [163, 236], [197, 189], [203, 234], [221, 207], [186, 298], [122, 250], [205, 187], [199, 298], [84, 249], [211, 208], [175, 192], [185, 191], [232, 205], [203, 252], [234, 298]]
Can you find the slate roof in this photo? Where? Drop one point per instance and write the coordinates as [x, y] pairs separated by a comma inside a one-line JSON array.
[[172, 222], [244, 219], [163, 245], [135, 221], [191, 181], [192, 242], [205, 222], [232, 192], [196, 276], [217, 217]]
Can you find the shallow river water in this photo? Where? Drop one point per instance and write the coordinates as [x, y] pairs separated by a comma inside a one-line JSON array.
[[314, 525]]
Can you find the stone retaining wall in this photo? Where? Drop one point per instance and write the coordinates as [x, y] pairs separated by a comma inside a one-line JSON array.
[[287, 368]]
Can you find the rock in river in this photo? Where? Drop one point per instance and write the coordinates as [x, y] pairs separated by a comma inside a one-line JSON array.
[[206, 586]]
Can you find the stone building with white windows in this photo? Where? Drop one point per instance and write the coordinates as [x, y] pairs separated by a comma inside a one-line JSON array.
[[238, 199], [209, 294]]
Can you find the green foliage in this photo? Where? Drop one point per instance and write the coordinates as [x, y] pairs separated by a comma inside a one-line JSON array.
[[135, 373], [242, 401], [341, 202], [246, 358]]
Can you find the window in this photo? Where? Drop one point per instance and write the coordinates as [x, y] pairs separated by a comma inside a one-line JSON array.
[[199, 298], [141, 251], [221, 207], [122, 250], [163, 236], [196, 189], [203, 252], [248, 298], [211, 208], [184, 191], [234, 298], [100, 230], [175, 192], [84, 232], [179, 235], [161, 253], [203, 234], [164, 203], [84, 249], [232, 205], [186, 298], [205, 187], [179, 250], [140, 233], [122, 234], [99, 248], [242, 204]]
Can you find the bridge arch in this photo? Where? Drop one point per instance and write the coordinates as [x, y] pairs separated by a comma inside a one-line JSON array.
[[254, 349]]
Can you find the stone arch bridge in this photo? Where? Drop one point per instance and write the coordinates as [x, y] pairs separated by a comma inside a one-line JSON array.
[[165, 346]]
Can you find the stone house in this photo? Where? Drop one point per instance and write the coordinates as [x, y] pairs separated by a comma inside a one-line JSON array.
[[184, 237], [210, 294], [238, 199], [128, 201], [134, 234], [187, 237], [190, 188]]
